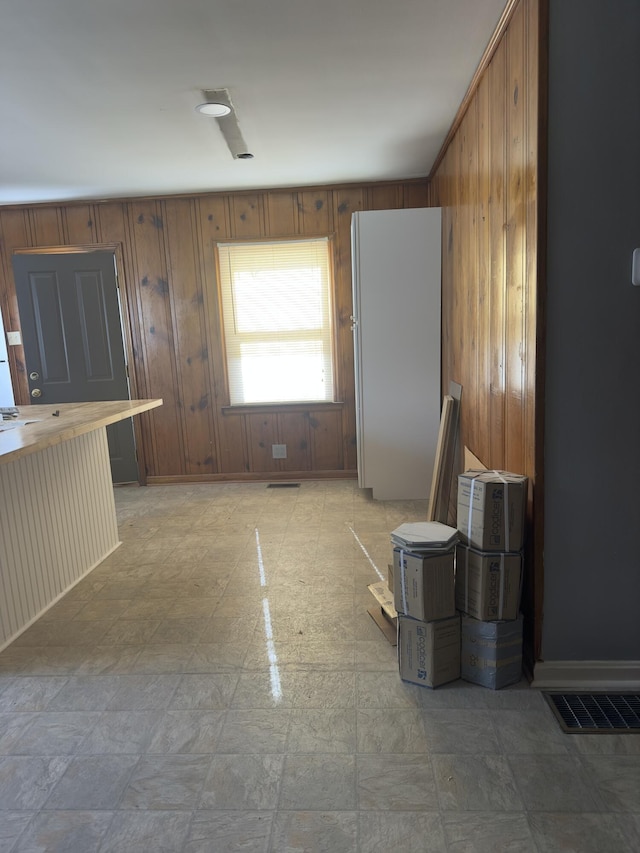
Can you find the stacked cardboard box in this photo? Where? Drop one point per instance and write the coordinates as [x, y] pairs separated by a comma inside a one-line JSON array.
[[422, 578], [423, 584], [491, 510], [429, 652], [488, 575], [491, 652], [488, 583]]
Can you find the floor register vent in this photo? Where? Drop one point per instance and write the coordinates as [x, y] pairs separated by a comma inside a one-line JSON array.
[[596, 713], [283, 485]]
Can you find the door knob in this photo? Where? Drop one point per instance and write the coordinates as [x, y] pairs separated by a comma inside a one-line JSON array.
[[36, 392]]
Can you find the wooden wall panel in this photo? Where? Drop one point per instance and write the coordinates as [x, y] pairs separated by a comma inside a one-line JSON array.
[[262, 432], [315, 213], [483, 398], [281, 210], [165, 250], [234, 451], [345, 202], [415, 195], [214, 215], [439, 193], [384, 197], [158, 355], [46, 226], [516, 245], [213, 226], [326, 454], [293, 430], [497, 243], [79, 225], [247, 216], [470, 309], [486, 183], [534, 190], [191, 349]]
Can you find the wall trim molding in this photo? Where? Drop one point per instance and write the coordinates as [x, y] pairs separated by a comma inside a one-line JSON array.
[[206, 194], [594, 675], [252, 477]]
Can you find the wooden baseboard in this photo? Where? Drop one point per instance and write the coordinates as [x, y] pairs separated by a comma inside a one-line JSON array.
[[592, 675], [271, 477]]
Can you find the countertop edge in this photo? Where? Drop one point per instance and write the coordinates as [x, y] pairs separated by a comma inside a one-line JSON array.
[[74, 419]]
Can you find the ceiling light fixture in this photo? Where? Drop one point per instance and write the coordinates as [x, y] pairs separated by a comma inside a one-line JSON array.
[[217, 103], [215, 110]]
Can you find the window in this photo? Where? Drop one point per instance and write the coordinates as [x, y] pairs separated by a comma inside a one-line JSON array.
[[277, 321]]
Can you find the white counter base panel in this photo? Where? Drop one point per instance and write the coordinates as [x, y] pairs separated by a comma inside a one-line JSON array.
[[57, 522]]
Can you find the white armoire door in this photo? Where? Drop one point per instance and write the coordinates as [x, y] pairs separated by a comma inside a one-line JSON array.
[[396, 300]]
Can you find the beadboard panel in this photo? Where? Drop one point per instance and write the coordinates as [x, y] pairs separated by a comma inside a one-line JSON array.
[[58, 522]]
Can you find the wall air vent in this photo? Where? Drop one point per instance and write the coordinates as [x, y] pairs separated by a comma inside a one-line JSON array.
[[596, 713]]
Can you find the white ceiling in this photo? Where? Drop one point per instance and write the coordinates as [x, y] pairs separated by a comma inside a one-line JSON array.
[[97, 97]]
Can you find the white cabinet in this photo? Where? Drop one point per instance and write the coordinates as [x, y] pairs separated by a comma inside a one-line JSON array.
[[396, 305], [6, 389]]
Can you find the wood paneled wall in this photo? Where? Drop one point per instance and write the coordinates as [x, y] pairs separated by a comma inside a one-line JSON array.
[[164, 248], [487, 182]]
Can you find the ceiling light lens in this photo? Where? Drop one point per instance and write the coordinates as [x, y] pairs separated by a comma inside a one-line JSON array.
[[215, 110]]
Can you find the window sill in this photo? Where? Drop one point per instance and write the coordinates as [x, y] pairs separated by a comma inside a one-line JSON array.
[[265, 408]]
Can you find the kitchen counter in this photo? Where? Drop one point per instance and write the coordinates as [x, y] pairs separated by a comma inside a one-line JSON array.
[[73, 419], [57, 509]]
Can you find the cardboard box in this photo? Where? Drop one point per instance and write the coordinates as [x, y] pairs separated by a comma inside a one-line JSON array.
[[420, 536], [390, 575], [424, 584], [429, 652], [491, 508], [491, 652], [488, 583], [384, 613]]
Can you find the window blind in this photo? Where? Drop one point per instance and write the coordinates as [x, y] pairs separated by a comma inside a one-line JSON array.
[[276, 306]]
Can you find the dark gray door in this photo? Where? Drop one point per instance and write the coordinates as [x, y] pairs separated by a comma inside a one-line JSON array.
[[72, 337]]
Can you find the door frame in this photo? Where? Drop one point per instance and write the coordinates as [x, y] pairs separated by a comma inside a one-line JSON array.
[[125, 325]]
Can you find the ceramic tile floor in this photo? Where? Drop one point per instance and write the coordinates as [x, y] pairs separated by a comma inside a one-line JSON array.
[[217, 685]]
